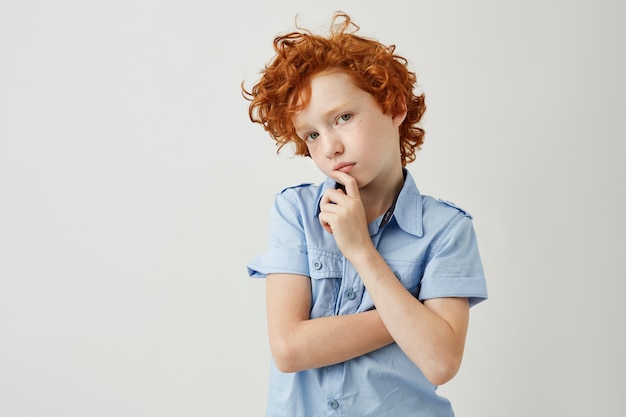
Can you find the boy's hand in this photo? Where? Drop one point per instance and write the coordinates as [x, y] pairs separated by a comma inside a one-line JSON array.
[[343, 215]]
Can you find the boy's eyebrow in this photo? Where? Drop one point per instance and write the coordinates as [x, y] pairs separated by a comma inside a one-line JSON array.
[[333, 110]]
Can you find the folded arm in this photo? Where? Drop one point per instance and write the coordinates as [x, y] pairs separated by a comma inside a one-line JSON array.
[[298, 342]]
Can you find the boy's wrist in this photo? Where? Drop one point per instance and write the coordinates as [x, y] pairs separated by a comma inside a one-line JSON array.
[[364, 255]]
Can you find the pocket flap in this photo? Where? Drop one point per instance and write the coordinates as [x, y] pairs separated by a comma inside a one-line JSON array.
[[325, 265]]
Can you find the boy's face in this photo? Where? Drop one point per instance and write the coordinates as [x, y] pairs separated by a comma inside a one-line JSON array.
[[345, 129]]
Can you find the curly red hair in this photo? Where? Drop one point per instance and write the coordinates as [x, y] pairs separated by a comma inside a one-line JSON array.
[[284, 87]]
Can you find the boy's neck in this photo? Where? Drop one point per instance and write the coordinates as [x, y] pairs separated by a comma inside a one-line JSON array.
[[377, 197]]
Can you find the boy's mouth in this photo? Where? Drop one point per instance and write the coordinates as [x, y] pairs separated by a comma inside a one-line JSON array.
[[344, 167]]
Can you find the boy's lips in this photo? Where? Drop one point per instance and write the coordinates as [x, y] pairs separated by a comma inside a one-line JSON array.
[[344, 167]]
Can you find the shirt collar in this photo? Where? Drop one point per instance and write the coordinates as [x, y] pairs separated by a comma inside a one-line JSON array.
[[408, 206]]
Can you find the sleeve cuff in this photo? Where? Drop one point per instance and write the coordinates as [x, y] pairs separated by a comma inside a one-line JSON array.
[[474, 288], [279, 262]]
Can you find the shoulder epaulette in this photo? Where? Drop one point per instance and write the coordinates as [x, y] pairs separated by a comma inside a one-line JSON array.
[[451, 204]]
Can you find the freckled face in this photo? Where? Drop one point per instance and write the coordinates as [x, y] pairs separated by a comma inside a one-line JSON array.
[[345, 129]]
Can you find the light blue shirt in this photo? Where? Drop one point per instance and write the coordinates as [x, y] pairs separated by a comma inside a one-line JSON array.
[[431, 247]]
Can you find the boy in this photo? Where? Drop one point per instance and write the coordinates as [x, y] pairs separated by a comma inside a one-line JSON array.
[[368, 282]]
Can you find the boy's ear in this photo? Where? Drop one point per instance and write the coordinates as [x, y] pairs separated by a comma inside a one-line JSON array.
[[399, 117]]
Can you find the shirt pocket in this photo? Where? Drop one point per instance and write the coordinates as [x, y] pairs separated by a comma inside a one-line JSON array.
[[409, 273], [325, 270]]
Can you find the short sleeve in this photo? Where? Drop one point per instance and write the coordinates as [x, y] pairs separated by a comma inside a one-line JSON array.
[[287, 251], [454, 268]]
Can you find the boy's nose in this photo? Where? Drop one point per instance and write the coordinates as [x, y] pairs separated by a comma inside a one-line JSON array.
[[332, 145]]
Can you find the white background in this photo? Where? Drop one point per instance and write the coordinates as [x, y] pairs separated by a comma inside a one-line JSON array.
[[134, 190]]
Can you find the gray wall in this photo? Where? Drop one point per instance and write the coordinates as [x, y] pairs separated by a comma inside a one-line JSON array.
[[134, 189]]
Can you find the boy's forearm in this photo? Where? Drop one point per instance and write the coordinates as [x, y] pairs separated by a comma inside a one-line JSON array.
[[329, 340]]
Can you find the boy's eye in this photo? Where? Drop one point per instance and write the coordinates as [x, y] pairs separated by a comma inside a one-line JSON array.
[[311, 137], [345, 117]]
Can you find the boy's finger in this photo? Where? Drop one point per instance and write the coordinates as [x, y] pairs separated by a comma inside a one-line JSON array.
[[348, 182]]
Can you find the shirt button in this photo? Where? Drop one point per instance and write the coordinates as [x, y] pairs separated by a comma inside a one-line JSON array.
[[317, 264], [334, 404], [350, 295], [397, 274]]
